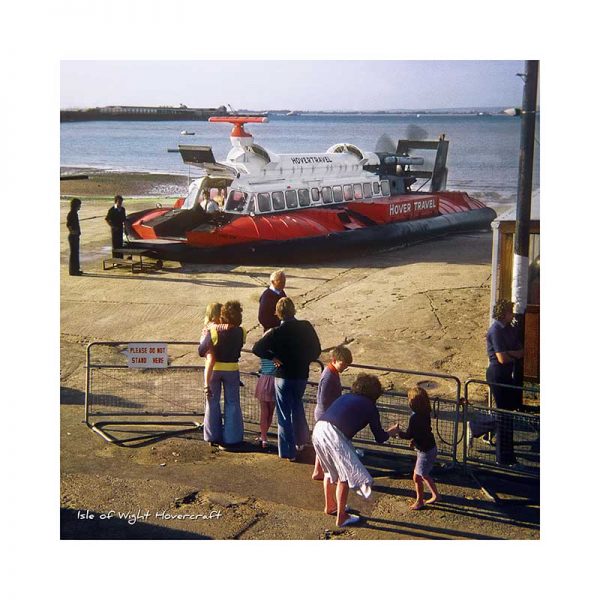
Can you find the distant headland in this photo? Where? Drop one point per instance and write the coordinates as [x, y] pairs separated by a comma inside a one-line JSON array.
[[185, 113], [143, 113]]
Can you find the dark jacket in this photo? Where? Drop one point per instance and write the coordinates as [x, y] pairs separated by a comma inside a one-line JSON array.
[[295, 343], [226, 345], [73, 223], [419, 431], [266, 309], [115, 217]]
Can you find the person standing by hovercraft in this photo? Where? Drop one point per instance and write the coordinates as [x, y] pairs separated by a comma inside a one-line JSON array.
[[116, 219], [268, 300], [74, 235]]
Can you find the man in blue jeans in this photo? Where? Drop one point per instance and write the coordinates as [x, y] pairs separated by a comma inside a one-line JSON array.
[[292, 347]]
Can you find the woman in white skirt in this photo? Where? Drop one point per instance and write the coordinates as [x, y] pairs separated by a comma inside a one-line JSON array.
[[332, 437]]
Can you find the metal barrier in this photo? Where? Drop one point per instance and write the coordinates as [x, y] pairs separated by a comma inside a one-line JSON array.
[[135, 397], [121, 395], [446, 417], [483, 424]]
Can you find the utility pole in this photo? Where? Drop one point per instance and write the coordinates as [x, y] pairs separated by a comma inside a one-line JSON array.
[[523, 210], [521, 241]]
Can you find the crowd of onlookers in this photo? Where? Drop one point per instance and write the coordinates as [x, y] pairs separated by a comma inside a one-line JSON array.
[[286, 349]]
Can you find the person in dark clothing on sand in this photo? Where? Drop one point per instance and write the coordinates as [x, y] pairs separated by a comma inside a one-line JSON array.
[[268, 300], [116, 219], [505, 353], [421, 439], [292, 347], [74, 235]]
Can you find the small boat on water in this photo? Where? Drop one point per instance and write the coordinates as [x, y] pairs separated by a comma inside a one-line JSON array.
[[186, 132], [282, 208]]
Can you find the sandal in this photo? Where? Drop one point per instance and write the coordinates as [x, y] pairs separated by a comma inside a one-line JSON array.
[[351, 520]]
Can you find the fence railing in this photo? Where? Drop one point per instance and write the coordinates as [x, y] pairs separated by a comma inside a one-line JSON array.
[[487, 427], [118, 394]]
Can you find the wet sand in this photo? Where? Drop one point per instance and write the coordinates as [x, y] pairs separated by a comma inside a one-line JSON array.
[[106, 184], [422, 308]]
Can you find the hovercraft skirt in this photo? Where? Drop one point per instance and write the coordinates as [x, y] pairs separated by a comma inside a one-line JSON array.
[[324, 248]]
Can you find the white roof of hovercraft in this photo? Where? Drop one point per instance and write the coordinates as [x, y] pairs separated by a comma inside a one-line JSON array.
[[248, 158]]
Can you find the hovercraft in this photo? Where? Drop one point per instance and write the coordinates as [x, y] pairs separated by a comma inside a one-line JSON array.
[[282, 208]]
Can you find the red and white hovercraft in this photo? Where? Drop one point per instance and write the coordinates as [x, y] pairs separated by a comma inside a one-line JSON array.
[[282, 208]]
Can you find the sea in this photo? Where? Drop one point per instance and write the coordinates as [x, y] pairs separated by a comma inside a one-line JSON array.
[[483, 155]]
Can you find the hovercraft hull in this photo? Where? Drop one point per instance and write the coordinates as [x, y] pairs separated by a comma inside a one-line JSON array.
[[321, 248]]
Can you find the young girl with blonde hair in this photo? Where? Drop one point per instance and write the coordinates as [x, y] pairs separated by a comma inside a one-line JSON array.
[[421, 437]]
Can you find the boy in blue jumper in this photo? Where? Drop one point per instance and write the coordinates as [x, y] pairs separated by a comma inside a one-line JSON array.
[[329, 390]]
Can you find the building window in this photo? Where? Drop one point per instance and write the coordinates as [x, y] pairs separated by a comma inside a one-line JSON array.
[[326, 193], [304, 197]]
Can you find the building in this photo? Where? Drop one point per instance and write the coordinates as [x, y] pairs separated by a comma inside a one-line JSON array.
[[503, 228]]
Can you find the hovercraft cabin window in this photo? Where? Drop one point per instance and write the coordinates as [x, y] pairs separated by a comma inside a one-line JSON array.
[[385, 187], [315, 195], [264, 202], [236, 201], [291, 198], [376, 188], [278, 201], [337, 193], [327, 197], [348, 192], [358, 193], [367, 190], [304, 197]]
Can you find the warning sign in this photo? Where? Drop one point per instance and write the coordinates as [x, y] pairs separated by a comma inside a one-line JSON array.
[[147, 355]]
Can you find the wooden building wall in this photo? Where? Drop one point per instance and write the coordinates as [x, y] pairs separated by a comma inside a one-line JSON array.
[[531, 360]]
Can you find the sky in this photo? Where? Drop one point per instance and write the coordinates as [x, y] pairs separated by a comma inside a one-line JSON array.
[[293, 84]]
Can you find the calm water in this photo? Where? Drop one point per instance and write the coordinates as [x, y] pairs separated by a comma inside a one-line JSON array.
[[483, 155]]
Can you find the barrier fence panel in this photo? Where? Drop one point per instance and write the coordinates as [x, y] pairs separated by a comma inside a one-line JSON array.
[[120, 392], [484, 425], [446, 416]]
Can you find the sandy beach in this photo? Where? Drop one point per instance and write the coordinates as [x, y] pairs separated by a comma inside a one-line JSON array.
[[422, 308], [105, 184]]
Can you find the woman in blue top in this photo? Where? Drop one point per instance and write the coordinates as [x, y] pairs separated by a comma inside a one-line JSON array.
[[504, 352], [332, 440]]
